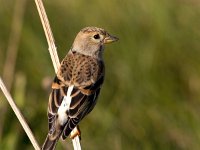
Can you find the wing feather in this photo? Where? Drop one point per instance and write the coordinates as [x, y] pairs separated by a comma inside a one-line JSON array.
[[86, 88], [80, 106]]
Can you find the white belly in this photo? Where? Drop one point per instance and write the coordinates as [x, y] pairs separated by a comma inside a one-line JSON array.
[[62, 116]]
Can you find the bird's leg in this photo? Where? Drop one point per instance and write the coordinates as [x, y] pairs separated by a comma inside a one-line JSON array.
[[75, 132]]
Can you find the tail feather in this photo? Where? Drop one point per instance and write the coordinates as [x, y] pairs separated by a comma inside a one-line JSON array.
[[50, 144]]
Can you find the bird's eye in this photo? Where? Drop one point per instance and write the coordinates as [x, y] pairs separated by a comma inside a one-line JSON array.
[[96, 36]]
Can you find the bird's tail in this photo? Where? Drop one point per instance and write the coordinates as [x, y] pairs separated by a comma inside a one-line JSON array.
[[49, 143]]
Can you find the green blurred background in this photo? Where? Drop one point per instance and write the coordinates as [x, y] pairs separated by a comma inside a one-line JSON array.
[[151, 96]]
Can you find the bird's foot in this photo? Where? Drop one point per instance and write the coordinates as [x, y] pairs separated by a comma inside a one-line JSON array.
[[75, 132]]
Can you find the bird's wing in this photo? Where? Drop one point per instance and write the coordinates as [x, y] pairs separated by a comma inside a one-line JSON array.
[[83, 101], [83, 96]]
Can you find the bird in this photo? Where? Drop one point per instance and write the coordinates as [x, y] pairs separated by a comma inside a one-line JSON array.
[[77, 84]]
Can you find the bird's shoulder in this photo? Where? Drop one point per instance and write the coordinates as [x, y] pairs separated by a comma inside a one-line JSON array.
[[80, 69]]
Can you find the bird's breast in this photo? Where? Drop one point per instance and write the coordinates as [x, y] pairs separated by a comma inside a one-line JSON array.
[[85, 73], [80, 70]]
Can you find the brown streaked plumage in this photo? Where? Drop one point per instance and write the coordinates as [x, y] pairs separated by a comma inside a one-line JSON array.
[[77, 84]]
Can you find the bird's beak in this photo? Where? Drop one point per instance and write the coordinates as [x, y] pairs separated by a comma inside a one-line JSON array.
[[110, 39]]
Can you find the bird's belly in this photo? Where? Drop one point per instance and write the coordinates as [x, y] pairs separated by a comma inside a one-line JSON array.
[[64, 107]]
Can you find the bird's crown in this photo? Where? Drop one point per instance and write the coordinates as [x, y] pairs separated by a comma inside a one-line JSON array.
[[93, 29]]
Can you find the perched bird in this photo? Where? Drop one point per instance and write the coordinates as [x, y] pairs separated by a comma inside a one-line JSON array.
[[77, 84]]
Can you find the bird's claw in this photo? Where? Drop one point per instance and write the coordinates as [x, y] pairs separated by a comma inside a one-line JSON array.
[[75, 132]]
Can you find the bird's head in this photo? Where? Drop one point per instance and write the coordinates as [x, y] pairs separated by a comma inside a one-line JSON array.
[[91, 40]]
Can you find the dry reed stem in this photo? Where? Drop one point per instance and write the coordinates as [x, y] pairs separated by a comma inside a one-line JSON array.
[[52, 51], [19, 115], [48, 34], [75, 141]]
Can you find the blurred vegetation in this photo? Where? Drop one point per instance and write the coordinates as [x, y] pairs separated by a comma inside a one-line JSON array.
[[151, 96]]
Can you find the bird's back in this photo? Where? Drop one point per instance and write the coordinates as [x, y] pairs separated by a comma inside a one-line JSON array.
[[86, 75]]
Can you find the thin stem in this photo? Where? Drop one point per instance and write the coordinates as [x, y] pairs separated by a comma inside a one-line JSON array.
[[53, 52], [48, 34], [19, 115], [76, 141]]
